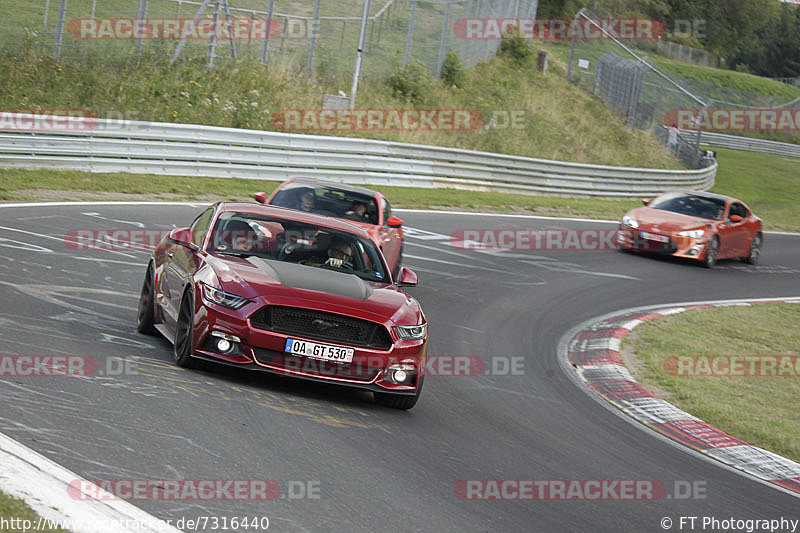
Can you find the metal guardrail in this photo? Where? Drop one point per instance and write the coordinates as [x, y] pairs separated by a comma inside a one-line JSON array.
[[735, 142], [209, 151]]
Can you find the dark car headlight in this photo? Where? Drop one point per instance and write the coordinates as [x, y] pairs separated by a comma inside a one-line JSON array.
[[223, 298], [411, 332]]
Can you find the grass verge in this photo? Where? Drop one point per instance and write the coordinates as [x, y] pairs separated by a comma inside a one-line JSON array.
[[759, 410], [552, 119], [16, 512]]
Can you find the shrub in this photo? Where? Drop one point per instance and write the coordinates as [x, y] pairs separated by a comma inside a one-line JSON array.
[[453, 70], [414, 83], [517, 50]]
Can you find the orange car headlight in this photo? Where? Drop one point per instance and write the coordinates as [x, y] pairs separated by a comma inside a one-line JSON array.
[[693, 234]]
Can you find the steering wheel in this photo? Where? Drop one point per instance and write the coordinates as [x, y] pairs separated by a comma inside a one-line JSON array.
[[286, 251]]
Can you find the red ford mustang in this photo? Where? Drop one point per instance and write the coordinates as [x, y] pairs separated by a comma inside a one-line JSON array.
[[363, 207], [287, 292], [693, 224]]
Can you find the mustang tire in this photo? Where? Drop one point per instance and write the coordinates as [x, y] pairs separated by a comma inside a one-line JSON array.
[[182, 347], [145, 317]]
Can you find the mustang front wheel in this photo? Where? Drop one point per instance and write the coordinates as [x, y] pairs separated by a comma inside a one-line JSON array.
[[183, 332], [146, 315]]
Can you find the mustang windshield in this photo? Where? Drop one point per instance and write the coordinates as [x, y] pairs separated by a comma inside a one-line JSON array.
[[245, 234], [690, 204]]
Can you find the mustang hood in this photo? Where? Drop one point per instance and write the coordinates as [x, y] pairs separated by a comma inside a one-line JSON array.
[[253, 277]]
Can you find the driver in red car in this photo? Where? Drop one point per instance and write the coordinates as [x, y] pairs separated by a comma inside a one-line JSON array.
[[338, 255]]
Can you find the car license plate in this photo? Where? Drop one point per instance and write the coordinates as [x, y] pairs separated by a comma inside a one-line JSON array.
[[319, 351], [653, 237]]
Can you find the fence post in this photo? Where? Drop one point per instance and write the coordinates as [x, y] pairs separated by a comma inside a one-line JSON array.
[[312, 45], [46, 9], [188, 31], [62, 12], [443, 41], [94, 4], [463, 52], [268, 36], [212, 43], [410, 32], [139, 17], [362, 37]]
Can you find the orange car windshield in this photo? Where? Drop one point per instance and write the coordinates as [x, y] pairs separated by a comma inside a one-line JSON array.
[[690, 204]]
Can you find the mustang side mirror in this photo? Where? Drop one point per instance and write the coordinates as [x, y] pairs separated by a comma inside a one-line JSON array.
[[736, 219], [182, 236], [407, 278], [646, 201], [261, 197], [394, 222]]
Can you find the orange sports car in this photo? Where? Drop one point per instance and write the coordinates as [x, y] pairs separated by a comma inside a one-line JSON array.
[[696, 225]]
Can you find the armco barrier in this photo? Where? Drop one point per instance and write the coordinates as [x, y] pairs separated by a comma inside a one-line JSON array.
[[192, 150], [735, 142]]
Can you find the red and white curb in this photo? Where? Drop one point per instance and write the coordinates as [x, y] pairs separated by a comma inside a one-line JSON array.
[[594, 353]]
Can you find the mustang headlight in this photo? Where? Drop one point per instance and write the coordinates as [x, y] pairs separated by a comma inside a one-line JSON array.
[[411, 332], [220, 297], [628, 221], [693, 234]]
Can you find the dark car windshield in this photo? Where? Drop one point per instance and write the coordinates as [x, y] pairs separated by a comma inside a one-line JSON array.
[[245, 234], [690, 204], [329, 201]]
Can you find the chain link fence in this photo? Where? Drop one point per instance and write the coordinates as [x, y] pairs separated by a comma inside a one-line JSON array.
[[315, 37], [628, 76]]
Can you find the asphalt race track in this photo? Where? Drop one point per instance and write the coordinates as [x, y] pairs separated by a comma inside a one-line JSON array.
[[374, 468]]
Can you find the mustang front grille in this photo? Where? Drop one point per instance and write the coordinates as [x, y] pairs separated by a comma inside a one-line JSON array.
[[322, 326]]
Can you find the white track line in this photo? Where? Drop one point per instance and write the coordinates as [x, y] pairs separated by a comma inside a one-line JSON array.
[[42, 484], [399, 210]]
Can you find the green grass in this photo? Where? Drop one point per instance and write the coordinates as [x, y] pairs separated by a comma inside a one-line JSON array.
[[11, 508], [768, 184], [759, 410], [558, 121]]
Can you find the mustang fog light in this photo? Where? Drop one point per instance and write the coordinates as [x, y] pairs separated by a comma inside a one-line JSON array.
[[400, 374], [225, 343]]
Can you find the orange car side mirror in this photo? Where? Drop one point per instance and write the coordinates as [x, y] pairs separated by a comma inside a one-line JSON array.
[[261, 197], [736, 219], [646, 201]]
